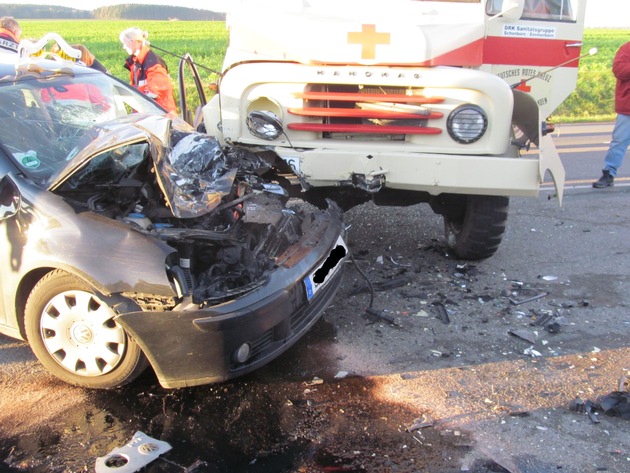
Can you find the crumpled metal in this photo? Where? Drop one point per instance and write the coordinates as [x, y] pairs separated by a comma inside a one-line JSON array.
[[196, 174]]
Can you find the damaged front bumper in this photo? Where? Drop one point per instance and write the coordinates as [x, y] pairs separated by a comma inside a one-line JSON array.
[[432, 173], [200, 346]]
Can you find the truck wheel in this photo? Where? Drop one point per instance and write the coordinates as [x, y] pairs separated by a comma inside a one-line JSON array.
[[475, 229], [75, 335]]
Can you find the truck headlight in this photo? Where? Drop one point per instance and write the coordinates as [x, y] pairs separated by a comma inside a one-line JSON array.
[[264, 124], [467, 123]]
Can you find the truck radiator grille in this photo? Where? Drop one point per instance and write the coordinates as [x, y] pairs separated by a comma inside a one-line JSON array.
[[389, 112]]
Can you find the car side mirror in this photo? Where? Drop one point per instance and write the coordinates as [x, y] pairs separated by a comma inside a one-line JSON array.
[[9, 198]]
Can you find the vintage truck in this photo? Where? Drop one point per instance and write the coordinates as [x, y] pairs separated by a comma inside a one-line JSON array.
[[403, 102]]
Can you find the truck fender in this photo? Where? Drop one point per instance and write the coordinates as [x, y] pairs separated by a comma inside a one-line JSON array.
[[526, 116]]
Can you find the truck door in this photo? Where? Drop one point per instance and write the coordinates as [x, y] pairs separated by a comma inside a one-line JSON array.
[[539, 52]]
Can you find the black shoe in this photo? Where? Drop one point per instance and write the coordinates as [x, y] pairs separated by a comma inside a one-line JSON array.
[[604, 181]]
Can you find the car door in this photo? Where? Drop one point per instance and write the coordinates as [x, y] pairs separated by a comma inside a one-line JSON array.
[[11, 239], [539, 52]]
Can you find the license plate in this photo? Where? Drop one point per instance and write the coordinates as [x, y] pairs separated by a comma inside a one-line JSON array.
[[324, 273]]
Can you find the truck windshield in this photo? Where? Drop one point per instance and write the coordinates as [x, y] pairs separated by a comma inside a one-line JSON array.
[[548, 10]]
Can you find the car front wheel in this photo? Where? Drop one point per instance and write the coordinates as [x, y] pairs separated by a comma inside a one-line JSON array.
[[76, 337], [475, 227]]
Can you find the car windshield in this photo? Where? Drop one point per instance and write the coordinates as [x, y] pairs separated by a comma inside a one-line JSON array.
[[43, 120]]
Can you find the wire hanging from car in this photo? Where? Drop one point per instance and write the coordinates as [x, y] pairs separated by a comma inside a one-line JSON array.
[[370, 309]]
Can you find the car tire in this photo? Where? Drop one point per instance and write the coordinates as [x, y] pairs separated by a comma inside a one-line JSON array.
[[75, 336], [475, 230]]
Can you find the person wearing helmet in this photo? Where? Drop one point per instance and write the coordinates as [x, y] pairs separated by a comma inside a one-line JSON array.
[[147, 71], [10, 33]]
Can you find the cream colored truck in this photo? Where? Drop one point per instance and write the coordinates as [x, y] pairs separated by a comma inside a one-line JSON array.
[[402, 102]]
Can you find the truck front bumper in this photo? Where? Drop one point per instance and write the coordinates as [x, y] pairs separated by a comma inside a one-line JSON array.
[[432, 173]]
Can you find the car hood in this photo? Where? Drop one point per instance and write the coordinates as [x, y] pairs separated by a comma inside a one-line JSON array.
[[191, 168]]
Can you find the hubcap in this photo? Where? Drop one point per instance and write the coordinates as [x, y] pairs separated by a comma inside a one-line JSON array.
[[80, 333]]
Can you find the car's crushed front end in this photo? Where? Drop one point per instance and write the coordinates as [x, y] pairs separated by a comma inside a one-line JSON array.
[[249, 274], [195, 248]]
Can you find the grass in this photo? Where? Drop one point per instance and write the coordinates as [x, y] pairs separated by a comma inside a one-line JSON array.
[[206, 42]]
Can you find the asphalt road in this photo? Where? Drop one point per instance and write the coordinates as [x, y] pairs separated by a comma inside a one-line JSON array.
[[457, 375]]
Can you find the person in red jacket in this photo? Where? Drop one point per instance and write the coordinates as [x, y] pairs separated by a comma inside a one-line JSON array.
[[621, 131], [147, 71], [10, 33]]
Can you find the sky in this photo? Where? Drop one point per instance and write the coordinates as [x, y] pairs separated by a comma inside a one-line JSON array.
[[599, 13]]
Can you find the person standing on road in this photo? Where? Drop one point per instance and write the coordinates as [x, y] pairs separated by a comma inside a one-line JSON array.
[[621, 131], [10, 33], [147, 71]]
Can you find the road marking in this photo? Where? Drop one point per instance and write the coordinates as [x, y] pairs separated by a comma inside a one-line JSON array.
[[584, 183]]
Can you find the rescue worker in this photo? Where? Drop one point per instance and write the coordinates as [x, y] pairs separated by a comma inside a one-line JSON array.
[[10, 33], [147, 71]]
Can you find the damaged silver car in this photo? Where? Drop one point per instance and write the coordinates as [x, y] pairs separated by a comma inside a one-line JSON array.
[[130, 239]]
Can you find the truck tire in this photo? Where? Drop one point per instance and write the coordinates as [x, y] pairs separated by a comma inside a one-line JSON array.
[[474, 231]]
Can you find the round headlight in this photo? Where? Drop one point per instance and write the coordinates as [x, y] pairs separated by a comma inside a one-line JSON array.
[[467, 123], [264, 124]]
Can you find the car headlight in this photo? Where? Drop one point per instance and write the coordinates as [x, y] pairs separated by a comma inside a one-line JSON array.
[[467, 123], [264, 124]]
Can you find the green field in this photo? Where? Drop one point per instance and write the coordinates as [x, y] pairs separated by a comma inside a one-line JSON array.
[[206, 42]]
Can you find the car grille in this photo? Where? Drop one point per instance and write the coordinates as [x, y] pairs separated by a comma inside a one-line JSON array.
[[346, 111]]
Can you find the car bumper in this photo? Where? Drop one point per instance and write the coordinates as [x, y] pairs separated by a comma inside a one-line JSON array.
[[194, 347]]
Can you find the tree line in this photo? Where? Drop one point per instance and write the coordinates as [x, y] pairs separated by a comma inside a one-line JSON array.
[[115, 12]]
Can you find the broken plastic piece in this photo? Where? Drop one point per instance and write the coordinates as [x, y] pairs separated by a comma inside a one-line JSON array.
[[137, 454]]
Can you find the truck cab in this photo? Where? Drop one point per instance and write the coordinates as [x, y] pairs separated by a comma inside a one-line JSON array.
[[405, 102]]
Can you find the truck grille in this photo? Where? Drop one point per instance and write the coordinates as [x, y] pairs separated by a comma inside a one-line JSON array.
[[389, 112]]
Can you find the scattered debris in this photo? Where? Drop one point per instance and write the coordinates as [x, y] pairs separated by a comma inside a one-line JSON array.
[[442, 313], [531, 352], [314, 381], [341, 374], [529, 299], [549, 321], [526, 335], [421, 423], [548, 278], [379, 314], [399, 264], [137, 454], [614, 404], [383, 285]]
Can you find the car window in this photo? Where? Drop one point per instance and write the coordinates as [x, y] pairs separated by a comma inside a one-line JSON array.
[[42, 121]]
